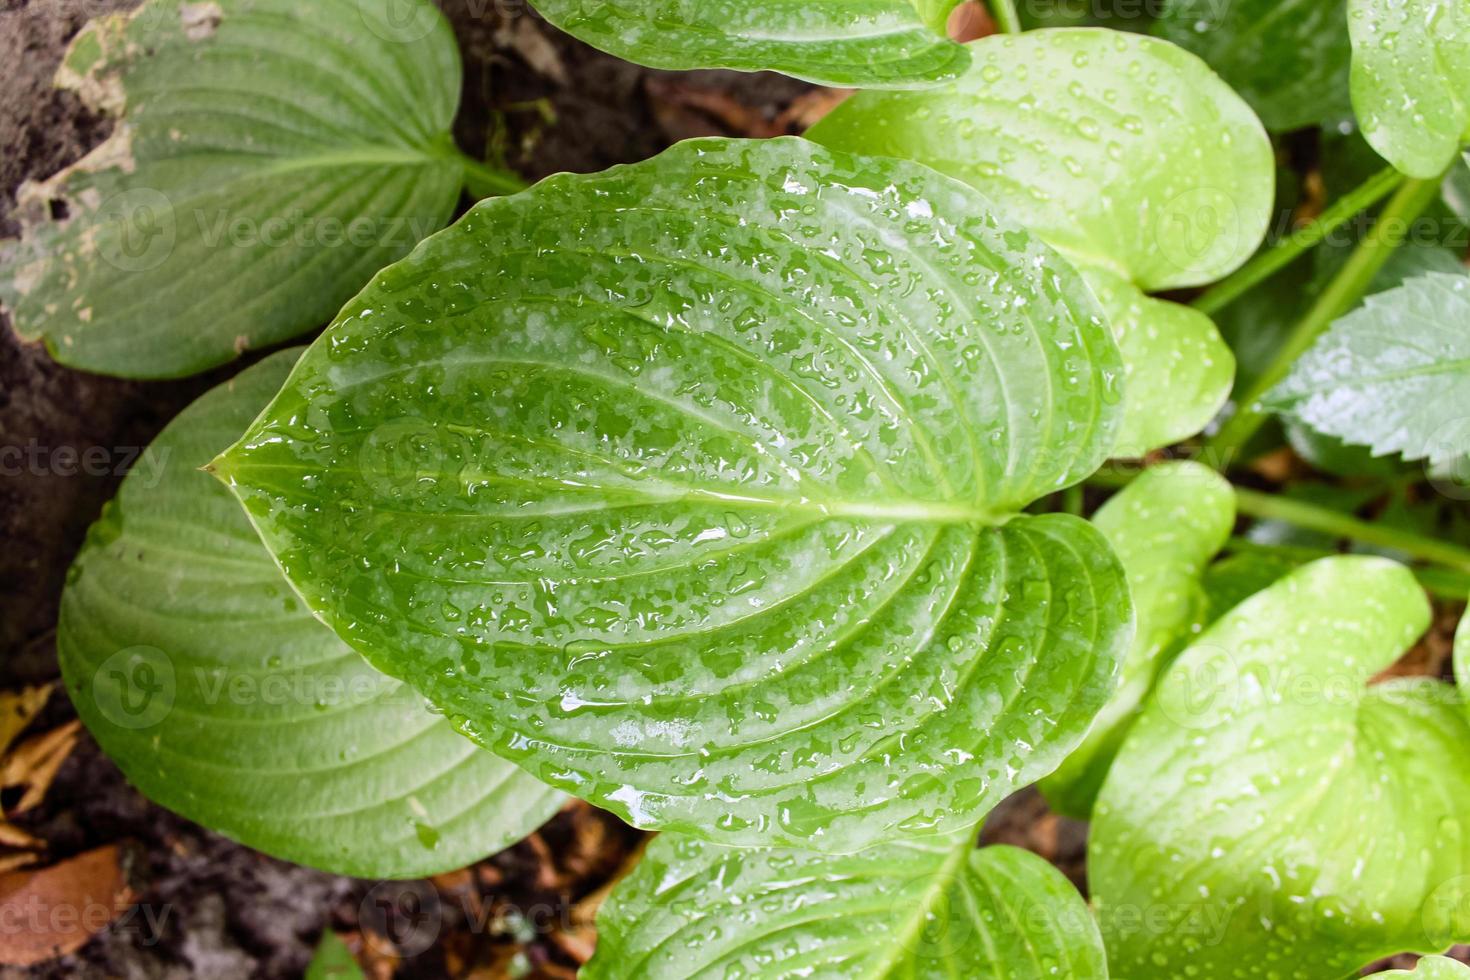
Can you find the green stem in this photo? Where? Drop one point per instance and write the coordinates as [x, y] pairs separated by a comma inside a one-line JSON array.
[[1313, 518], [1345, 289], [1442, 583], [1278, 256], [483, 180], [1006, 18]]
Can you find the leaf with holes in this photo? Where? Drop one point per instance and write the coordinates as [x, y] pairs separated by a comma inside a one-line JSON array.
[[222, 698], [694, 487], [866, 43], [1288, 58], [921, 909], [269, 157], [1411, 80], [1299, 823], [1165, 527], [1127, 155], [1393, 375]]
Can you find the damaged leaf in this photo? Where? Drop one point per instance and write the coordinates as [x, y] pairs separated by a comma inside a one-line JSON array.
[[222, 698], [708, 506], [268, 157]]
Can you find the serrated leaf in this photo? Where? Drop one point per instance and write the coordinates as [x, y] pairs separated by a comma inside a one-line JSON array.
[[1287, 58], [269, 156], [1430, 968], [1411, 80], [864, 43], [707, 479], [1165, 527], [933, 908], [1393, 375], [1298, 822], [222, 698], [1126, 154]]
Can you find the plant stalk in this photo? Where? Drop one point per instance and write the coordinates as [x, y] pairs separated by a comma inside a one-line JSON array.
[[483, 180], [1345, 289], [1314, 518], [1442, 583], [1300, 240], [1006, 18]]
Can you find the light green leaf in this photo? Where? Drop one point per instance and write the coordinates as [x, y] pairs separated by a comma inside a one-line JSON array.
[[1165, 527], [692, 486], [1462, 656], [1288, 58], [1431, 968], [1411, 80], [1393, 375], [220, 696], [1178, 370], [1126, 154], [1234, 579], [933, 908], [269, 156], [333, 960], [1272, 814], [866, 43]]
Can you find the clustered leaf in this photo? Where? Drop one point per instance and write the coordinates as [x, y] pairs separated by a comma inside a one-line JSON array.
[[1298, 822], [921, 909], [1287, 58], [1165, 527], [1411, 80], [694, 488], [1126, 154], [868, 43], [268, 157], [221, 697], [1393, 375]]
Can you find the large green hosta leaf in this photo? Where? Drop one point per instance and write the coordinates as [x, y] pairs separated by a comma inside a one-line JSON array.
[[1288, 58], [1165, 527], [269, 157], [867, 43], [1393, 375], [1411, 79], [921, 909], [1271, 814], [692, 486], [1125, 153], [221, 697]]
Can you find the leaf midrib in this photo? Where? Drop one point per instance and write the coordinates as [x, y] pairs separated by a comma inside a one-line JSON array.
[[914, 926], [906, 511]]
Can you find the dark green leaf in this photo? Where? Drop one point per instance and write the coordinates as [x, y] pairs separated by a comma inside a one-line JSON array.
[[867, 43], [924, 909], [692, 487], [222, 698], [1288, 58], [333, 961], [269, 156]]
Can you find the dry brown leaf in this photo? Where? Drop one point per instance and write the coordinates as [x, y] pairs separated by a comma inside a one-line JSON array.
[[806, 110], [53, 911], [970, 21], [34, 763], [525, 38], [17, 708]]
